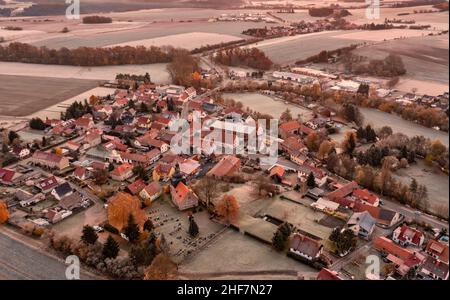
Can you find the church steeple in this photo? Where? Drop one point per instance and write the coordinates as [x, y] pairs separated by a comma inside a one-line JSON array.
[[177, 177]]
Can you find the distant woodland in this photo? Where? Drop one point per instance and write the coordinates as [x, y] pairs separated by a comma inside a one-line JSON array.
[[253, 58], [85, 56], [96, 20]]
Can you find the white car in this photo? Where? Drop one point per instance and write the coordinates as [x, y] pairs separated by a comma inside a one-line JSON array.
[[98, 228]]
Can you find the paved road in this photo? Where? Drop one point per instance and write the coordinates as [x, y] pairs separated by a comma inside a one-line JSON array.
[[20, 261]]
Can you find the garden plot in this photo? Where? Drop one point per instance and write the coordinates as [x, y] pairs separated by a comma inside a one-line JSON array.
[[302, 217]]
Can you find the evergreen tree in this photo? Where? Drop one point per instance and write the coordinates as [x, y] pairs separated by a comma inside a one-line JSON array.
[[110, 248], [12, 135], [193, 227], [278, 241], [311, 181], [89, 235], [131, 231], [286, 229], [143, 253], [148, 225]]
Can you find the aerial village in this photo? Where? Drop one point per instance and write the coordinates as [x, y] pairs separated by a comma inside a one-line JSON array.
[[110, 158]]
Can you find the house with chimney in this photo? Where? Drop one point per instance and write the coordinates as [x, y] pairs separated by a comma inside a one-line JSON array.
[[362, 224]]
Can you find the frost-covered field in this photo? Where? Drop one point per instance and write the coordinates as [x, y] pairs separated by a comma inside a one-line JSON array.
[[158, 72], [188, 41]]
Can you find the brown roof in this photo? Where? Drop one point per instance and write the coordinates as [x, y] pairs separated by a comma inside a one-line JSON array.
[[277, 170], [438, 249], [290, 126], [305, 244], [47, 156], [136, 186], [122, 169], [343, 191], [153, 188], [326, 274], [225, 166]]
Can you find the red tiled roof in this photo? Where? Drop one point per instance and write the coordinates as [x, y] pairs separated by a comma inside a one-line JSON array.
[[305, 244], [225, 166], [384, 244], [326, 274], [136, 186], [153, 188], [122, 169], [6, 175], [180, 193], [438, 249], [290, 126], [79, 172], [365, 195], [412, 234], [277, 170], [343, 191]]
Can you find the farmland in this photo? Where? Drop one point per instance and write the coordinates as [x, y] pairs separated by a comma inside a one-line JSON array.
[[376, 117], [15, 100], [188, 41], [425, 58], [158, 72]]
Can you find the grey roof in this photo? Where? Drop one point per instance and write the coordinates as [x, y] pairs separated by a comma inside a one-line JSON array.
[[363, 219], [63, 189], [386, 214], [71, 201]]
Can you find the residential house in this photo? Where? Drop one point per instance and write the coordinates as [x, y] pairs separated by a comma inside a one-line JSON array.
[[320, 177], [122, 172], [292, 144], [163, 172], [437, 250], [406, 236], [277, 174], [385, 217], [62, 190], [366, 197], [151, 192], [50, 160], [136, 187], [342, 191], [70, 202], [362, 224], [183, 197], [81, 173], [403, 259], [8, 176], [48, 184], [190, 167], [227, 166], [433, 269], [93, 139], [288, 129], [83, 123], [56, 214], [305, 248]]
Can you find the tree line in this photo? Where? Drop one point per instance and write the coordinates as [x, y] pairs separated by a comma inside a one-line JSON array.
[[249, 57], [86, 56]]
